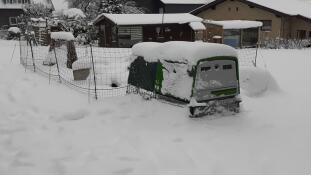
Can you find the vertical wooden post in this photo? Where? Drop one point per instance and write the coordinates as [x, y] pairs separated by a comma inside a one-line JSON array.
[[94, 73], [32, 56], [57, 65]]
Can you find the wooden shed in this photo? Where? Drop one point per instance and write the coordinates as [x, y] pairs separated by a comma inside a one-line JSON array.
[[125, 30]]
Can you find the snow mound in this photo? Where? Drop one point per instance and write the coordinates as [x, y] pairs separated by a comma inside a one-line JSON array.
[[74, 13], [67, 36], [15, 30], [256, 81]]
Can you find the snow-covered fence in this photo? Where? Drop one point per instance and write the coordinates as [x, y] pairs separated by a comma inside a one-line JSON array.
[[281, 43], [247, 57], [100, 72]]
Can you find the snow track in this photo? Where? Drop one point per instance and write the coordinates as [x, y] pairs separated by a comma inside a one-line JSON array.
[[52, 130]]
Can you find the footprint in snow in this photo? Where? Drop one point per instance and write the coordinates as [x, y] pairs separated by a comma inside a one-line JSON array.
[[72, 116]]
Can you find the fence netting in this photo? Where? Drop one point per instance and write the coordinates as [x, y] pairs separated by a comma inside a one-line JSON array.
[[100, 72]]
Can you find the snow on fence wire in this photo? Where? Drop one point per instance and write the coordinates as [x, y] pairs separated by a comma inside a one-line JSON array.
[[247, 57], [99, 72]]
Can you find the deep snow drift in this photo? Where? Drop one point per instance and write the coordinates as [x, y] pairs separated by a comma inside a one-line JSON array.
[[52, 130]]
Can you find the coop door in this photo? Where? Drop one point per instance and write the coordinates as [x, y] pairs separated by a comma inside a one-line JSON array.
[[215, 78]]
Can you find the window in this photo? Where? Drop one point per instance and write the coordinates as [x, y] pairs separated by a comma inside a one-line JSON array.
[[205, 69], [309, 34], [13, 20], [266, 25], [237, 9], [227, 67], [301, 34]]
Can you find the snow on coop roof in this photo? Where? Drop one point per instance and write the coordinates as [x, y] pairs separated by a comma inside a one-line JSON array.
[[197, 26], [236, 24], [47, 3], [145, 19], [282, 7], [186, 1], [67, 36], [181, 51], [10, 6]]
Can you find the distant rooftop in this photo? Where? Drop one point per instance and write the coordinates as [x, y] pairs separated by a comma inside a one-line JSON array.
[[186, 1]]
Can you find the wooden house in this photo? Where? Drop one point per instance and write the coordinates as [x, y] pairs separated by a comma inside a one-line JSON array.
[[125, 30], [280, 18], [11, 9]]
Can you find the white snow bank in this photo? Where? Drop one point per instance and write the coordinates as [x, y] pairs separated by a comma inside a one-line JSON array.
[[67, 36], [236, 24], [197, 26], [15, 30], [74, 13], [256, 81], [81, 64], [181, 51]]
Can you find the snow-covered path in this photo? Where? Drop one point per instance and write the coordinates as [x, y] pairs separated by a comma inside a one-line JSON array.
[[52, 130]]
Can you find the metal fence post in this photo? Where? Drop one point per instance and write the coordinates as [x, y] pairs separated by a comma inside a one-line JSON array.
[[93, 66], [57, 65], [32, 56], [255, 61]]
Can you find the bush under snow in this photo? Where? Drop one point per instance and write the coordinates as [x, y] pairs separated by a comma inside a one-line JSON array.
[[74, 13], [14, 30], [67, 36]]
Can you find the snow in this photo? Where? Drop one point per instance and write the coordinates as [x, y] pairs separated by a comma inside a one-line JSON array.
[[74, 13], [67, 36], [186, 1], [15, 30], [181, 51], [197, 26], [53, 130], [142, 19], [236, 24], [81, 64]]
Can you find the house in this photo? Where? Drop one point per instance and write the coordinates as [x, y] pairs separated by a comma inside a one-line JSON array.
[[11, 9], [125, 30], [235, 33], [171, 6], [281, 19]]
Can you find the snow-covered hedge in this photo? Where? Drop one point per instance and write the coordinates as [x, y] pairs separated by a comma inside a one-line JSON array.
[[285, 43], [67, 36], [74, 13]]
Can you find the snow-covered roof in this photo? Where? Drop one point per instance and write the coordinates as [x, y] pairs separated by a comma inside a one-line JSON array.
[[181, 51], [141, 19], [236, 24], [197, 26], [186, 1], [47, 3], [288, 7]]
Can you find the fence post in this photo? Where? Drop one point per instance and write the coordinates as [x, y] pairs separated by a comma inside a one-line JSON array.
[[57, 65], [255, 61], [92, 58], [33, 59]]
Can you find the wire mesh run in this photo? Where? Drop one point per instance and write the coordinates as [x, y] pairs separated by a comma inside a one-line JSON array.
[[100, 72]]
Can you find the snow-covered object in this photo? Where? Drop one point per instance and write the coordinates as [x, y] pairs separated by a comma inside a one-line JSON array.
[[186, 1], [181, 51], [74, 13], [177, 81], [14, 30], [67, 36], [197, 26], [141, 19], [81, 64], [236, 24], [256, 81]]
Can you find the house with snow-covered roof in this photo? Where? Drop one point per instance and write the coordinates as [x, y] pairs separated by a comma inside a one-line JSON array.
[[11, 9], [125, 30], [290, 19]]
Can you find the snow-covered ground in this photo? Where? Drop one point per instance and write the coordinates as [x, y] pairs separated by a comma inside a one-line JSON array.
[[51, 129]]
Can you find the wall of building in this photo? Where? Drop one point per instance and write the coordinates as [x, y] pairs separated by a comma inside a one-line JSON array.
[[5, 14], [300, 24], [180, 8], [235, 10]]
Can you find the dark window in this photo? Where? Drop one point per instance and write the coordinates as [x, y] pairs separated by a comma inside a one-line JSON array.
[[216, 67], [237, 9], [301, 34], [227, 67], [309, 34], [205, 69], [266, 25], [13, 20]]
